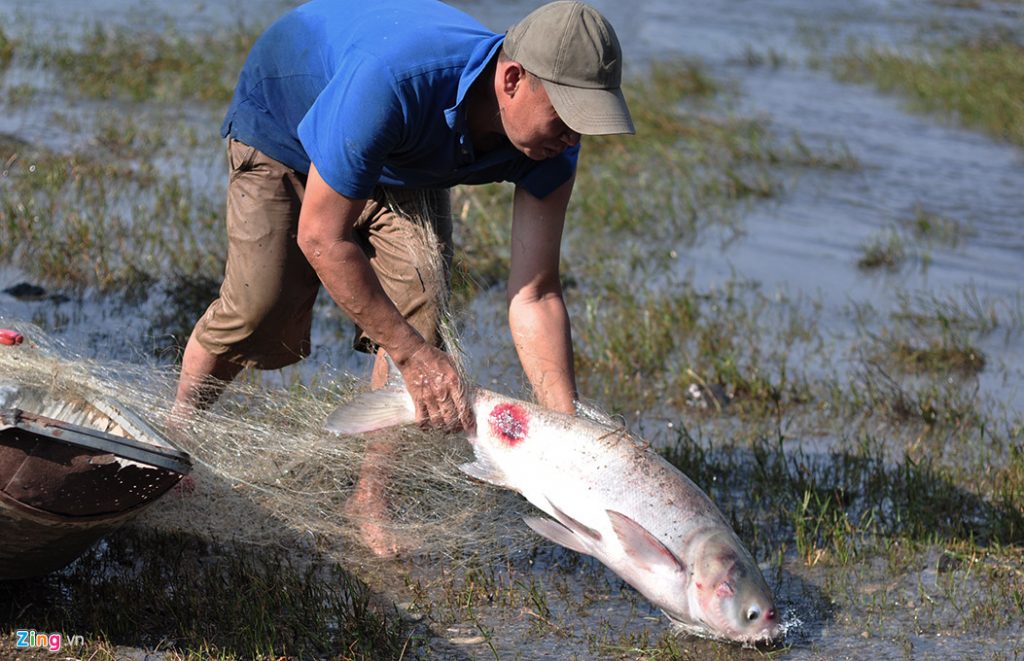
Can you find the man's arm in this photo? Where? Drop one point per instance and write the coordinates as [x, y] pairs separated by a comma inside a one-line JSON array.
[[326, 237], [536, 311]]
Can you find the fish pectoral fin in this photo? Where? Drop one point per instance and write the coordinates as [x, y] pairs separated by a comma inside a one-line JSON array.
[[572, 524], [485, 469], [557, 533], [377, 409], [643, 547]]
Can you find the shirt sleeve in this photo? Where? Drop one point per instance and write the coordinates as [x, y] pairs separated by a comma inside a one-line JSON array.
[[543, 178], [352, 126]]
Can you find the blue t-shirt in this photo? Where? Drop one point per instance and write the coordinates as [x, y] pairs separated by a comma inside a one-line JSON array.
[[373, 91]]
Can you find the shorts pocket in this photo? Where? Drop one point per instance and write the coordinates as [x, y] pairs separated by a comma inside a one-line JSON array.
[[240, 157]]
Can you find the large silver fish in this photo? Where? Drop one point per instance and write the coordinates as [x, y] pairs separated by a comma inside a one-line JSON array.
[[610, 496]]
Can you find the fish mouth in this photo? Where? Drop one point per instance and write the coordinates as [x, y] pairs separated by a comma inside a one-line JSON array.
[[700, 629], [766, 637]]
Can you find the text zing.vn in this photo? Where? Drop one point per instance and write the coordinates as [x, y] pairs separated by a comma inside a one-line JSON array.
[[50, 641]]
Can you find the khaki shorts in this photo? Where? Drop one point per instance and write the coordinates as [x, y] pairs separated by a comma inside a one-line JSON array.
[[264, 313]]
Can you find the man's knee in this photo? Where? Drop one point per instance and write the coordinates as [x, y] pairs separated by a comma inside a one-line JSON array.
[[261, 337]]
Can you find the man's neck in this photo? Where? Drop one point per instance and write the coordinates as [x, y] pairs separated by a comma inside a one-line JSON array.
[[483, 119]]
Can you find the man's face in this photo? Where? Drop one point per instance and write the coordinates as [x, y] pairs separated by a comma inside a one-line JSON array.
[[531, 123]]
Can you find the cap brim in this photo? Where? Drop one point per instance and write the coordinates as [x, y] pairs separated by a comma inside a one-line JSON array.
[[590, 111]]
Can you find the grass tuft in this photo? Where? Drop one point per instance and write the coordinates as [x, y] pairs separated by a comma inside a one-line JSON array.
[[116, 62], [7, 48], [886, 251], [979, 81]]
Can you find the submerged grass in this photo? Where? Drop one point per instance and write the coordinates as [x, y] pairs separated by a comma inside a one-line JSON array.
[[937, 229], [884, 251], [157, 65], [979, 81], [938, 335], [80, 220], [938, 356], [841, 507], [7, 47], [646, 348], [912, 240]]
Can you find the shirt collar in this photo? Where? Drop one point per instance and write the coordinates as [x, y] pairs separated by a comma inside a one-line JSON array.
[[478, 61]]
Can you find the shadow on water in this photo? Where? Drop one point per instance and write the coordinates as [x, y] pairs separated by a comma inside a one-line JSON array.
[[804, 607]]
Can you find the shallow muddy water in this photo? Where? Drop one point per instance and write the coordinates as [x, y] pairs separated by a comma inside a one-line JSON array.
[[804, 244]]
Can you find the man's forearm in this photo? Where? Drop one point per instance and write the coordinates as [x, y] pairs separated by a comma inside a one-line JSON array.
[[543, 340], [326, 237], [351, 282]]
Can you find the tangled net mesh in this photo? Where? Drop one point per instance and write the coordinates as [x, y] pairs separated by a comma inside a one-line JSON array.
[[267, 473], [265, 470]]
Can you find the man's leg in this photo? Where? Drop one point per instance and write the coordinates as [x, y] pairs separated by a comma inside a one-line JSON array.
[[409, 243], [203, 377], [368, 504], [262, 316]]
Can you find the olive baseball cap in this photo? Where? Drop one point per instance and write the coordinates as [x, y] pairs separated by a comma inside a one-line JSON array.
[[573, 49]]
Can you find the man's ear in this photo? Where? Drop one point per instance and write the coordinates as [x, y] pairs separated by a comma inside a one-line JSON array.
[[512, 75]]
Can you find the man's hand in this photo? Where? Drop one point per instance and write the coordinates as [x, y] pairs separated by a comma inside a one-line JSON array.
[[438, 391], [326, 237]]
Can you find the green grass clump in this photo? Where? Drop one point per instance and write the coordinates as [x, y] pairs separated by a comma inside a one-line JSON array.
[[979, 81], [6, 50], [116, 62], [886, 251], [938, 356]]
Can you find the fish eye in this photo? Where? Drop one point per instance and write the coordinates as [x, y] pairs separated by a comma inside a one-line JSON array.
[[753, 614]]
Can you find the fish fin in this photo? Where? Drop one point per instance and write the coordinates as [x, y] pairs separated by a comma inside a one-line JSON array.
[[555, 532], [643, 547], [394, 380], [574, 525], [724, 590], [485, 469], [377, 409]]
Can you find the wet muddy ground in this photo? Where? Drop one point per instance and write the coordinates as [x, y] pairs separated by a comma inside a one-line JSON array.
[[804, 343]]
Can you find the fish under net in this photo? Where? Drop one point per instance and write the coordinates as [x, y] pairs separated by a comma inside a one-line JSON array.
[[267, 473]]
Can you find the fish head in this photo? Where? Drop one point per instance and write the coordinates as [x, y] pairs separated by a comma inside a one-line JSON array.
[[731, 595]]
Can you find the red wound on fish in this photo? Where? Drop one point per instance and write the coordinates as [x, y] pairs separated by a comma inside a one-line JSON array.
[[509, 423]]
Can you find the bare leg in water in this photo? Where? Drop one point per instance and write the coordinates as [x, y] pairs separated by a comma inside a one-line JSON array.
[[203, 378], [367, 507]]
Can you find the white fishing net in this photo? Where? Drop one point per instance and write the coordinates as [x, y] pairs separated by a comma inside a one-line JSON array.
[[266, 472]]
